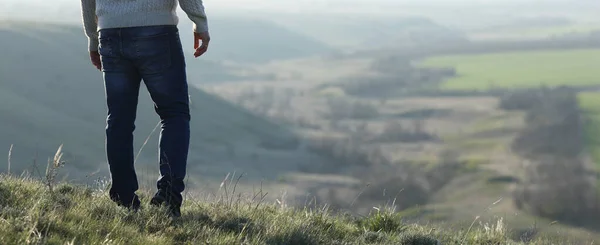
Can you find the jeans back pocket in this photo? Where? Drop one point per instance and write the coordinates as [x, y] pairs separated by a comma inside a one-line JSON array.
[[153, 53], [109, 55]]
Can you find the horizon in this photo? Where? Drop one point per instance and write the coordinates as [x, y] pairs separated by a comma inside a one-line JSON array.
[[305, 15], [66, 9]]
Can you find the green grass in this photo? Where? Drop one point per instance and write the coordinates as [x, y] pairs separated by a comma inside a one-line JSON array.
[[32, 213], [520, 69]]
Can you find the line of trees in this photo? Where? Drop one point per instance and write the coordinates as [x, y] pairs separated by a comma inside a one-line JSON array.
[[557, 182]]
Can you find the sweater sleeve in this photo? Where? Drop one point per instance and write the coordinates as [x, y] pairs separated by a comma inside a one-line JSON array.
[[195, 11], [90, 24]]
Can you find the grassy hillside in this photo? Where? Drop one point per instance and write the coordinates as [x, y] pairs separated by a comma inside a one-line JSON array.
[[34, 212], [520, 69], [50, 94]]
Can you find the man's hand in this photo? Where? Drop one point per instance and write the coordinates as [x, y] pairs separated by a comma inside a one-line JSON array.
[[205, 38], [95, 58]]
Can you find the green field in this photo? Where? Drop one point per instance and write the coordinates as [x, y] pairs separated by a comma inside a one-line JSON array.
[[531, 69], [520, 69]]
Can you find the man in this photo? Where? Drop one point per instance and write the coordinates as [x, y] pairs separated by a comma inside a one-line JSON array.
[[131, 41]]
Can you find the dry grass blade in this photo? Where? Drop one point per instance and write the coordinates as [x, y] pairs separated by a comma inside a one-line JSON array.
[[58, 156], [479, 216], [145, 142], [53, 166], [9, 157]]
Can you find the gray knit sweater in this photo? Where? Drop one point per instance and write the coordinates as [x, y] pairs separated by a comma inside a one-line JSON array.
[[99, 14]]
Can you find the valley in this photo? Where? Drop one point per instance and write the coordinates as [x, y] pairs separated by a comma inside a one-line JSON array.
[[444, 123]]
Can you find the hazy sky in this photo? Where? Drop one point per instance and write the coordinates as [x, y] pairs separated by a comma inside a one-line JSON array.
[[306, 5], [60, 10], [469, 11]]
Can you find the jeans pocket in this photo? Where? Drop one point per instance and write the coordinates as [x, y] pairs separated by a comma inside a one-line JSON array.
[[153, 53], [108, 55]]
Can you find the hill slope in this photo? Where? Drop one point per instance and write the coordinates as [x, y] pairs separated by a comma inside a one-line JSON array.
[[70, 214], [365, 32], [50, 94], [246, 39]]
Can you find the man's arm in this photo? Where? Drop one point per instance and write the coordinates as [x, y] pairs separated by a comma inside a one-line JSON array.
[[195, 11], [90, 25]]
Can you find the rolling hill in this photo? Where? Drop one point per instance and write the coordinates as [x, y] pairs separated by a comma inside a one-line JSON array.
[[50, 94], [366, 32], [252, 40]]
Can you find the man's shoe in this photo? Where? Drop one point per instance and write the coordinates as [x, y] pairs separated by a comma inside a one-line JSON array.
[[162, 197], [133, 205]]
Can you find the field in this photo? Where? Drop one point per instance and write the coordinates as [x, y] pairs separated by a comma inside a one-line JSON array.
[[520, 69], [532, 69], [529, 32]]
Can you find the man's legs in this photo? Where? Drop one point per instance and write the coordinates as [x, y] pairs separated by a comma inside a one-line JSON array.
[[122, 83], [160, 60]]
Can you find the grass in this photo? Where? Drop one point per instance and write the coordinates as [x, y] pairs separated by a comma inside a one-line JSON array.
[[520, 69], [33, 213]]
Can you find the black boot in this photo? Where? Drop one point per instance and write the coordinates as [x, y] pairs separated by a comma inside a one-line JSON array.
[[171, 201], [132, 202]]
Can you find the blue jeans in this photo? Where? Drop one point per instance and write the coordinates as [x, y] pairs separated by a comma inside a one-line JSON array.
[[153, 54]]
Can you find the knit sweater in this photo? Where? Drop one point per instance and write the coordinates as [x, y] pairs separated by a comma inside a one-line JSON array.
[[100, 14]]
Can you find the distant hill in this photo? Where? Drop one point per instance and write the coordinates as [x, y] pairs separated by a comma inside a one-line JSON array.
[[242, 40], [50, 94], [360, 32], [235, 37]]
